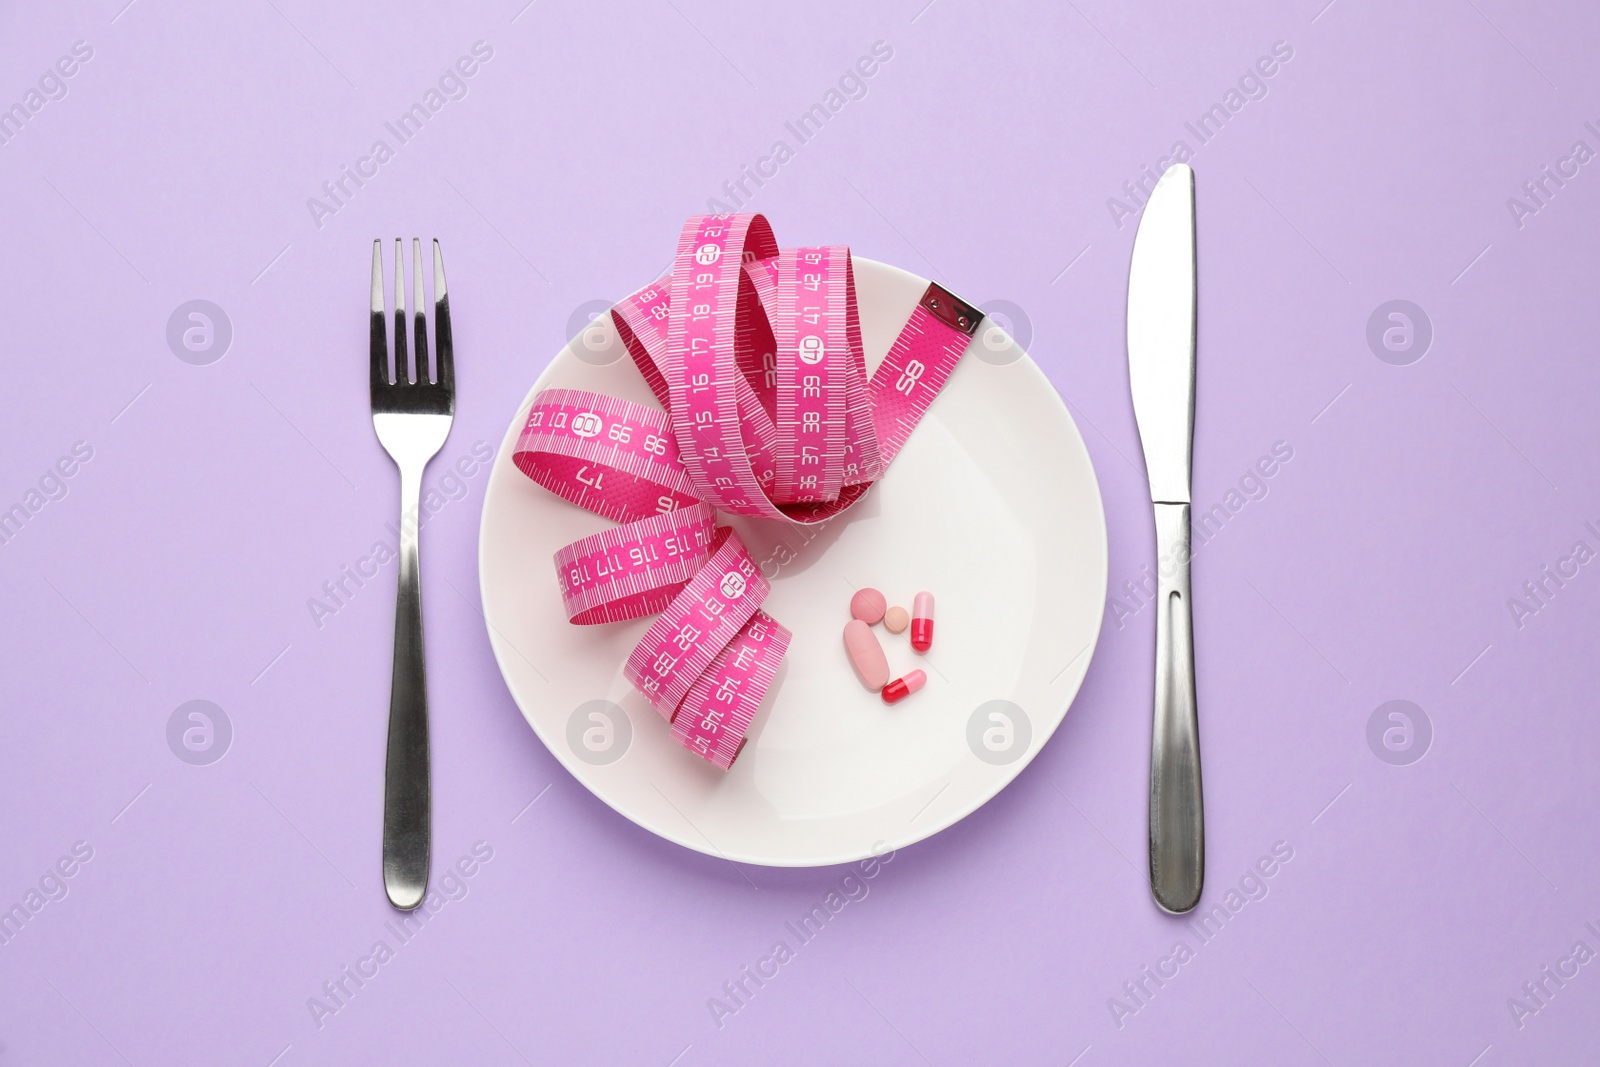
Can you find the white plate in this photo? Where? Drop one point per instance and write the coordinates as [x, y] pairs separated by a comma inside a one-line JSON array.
[[992, 506]]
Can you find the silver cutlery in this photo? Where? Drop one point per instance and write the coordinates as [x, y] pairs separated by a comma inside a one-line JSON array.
[[412, 416], [1161, 341]]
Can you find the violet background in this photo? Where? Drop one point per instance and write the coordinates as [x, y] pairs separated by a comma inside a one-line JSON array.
[[1418, 500]]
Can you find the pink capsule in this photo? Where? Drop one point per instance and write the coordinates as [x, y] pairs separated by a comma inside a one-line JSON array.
[[866, 655], [901, 688], [922, 622]]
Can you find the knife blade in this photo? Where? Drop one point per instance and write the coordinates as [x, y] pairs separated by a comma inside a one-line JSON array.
[[1161, 370], [1161, 315]]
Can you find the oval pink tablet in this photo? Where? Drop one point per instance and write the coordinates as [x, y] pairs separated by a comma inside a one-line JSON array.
[[867, 605], [866, 655]]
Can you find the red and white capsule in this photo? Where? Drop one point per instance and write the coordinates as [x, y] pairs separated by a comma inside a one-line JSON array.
[[922, 622], [901, 688]]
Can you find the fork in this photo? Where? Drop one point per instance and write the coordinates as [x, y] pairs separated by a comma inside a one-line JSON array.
[[412, 417]]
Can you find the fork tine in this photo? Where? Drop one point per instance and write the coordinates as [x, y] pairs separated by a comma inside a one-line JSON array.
[[379, 342], [419, 311], [402, 372], [445, 350]]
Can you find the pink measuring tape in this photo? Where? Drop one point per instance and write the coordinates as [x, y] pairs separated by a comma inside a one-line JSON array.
[[754, 353]]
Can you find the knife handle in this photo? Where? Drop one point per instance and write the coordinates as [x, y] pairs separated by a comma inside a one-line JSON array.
[[1177, 823]]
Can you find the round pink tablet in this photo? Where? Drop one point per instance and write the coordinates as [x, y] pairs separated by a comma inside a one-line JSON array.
[[867, 605], [866, 655]]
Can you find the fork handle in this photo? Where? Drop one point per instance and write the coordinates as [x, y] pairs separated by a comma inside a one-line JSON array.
[[407, 803]]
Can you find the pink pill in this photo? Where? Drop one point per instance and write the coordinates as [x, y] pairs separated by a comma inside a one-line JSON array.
[[922, 622], [866, 655], [900, 688], [867, 605]]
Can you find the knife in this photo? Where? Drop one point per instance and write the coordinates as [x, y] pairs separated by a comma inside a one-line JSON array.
[[1161, 335]]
